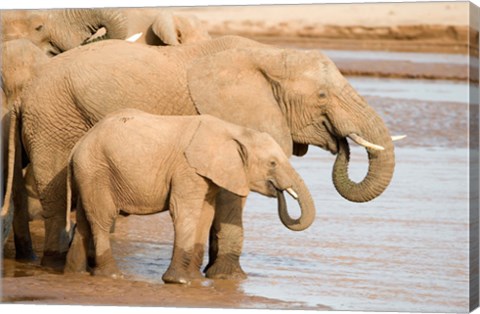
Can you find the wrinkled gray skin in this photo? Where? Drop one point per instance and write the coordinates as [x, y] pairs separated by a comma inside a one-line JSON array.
[[21, 61], [56, 31], [173, 163], [298, 97]]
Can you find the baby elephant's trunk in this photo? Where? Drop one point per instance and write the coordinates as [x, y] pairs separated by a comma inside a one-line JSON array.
[[300, 192]]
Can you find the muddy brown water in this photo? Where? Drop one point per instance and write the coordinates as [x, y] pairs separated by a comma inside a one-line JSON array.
[[407, 250]]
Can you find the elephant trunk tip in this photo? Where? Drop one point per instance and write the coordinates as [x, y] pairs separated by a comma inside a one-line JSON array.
[[308, 211]]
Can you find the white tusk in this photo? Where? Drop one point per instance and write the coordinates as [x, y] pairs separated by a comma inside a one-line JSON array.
[[363, 142], [134, 38], [398, 137], [292, 193], [98, 34]]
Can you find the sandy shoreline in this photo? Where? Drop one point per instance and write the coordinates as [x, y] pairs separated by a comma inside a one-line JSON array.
[[29, 283], [432, 27]]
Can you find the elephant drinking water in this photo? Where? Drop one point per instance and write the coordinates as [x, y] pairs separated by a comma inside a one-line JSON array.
[[142, 164], [298, 97]]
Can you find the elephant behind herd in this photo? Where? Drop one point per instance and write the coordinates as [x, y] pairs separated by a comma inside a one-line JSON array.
[[30, 37], [299, 98]]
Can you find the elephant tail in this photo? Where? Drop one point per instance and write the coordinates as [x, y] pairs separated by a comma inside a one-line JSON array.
[[13, 137], [69, 186]]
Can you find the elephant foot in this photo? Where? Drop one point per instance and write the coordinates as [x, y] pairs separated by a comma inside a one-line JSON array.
[[54, 260], [225, 268], [75, 264], [24, 250], [75, 269], [105, 273], [180, 276], [108, 271], [107, 267]]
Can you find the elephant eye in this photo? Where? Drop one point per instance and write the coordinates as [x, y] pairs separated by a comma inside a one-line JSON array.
[[273, 163], [322, 95]]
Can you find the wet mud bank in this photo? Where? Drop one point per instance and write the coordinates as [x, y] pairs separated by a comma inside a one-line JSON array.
[[411, 38], [30, 283]]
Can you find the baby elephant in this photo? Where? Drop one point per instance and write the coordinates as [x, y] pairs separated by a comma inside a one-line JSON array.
[[140, 164]]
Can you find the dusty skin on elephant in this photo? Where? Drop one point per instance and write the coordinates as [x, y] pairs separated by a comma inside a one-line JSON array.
[[298, 97], [56, 31], [29, 35], [164, 27], [21, 60], [175, 163], [59, 30]]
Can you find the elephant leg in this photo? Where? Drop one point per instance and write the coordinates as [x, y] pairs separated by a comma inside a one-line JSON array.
[[226, 238], [186, 214], [77, 254], [101, 214], [203, 230], [105, 264], [21, 228], [51, 178], [56, 243]]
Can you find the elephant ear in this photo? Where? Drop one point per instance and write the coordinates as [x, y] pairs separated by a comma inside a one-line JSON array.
[[219, 158], [233, 86]]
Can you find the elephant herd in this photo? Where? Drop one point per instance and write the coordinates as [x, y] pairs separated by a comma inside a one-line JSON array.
[[175, 121]]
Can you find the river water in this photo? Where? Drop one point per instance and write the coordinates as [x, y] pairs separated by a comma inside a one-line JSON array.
[[407, 250]]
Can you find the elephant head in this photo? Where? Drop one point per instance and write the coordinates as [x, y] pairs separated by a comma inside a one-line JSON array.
[[301, 99], [178, 29], [21, 60], [241, 159], [56, 31]]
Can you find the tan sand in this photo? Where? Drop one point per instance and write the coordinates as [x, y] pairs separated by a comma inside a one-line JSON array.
[[434, 26], [367, 14]]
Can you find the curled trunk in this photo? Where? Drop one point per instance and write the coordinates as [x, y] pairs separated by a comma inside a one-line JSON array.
[[73, 27], [306, 203], [381, 163]]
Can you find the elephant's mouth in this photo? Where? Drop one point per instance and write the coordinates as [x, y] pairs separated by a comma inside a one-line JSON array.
[[272, 189], [320, 134], [53, 50]]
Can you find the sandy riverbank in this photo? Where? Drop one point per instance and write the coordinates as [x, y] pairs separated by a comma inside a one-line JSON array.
[[29, 283], [433, 27]]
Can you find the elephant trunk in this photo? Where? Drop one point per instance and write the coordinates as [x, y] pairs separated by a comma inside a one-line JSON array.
[[81, 26], [299, 191], [381, 159]]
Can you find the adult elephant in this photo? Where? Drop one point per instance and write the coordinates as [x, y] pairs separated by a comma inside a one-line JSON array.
[[56, 31], [21, 62], [298, 97], [59, 30]]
